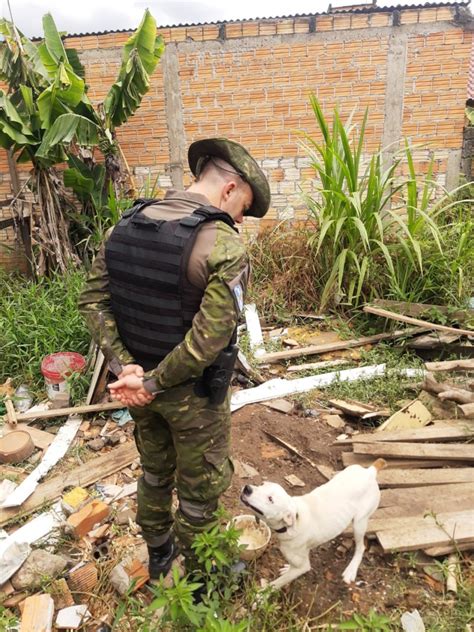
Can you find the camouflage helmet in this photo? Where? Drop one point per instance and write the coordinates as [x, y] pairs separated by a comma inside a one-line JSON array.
[[237, 156]]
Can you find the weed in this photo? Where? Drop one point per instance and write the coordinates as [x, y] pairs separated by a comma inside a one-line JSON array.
[[8, 621], [372, 622], [38, 318], [284, 273]]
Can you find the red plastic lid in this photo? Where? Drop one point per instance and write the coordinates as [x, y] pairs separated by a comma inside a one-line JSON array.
[[57, 366]]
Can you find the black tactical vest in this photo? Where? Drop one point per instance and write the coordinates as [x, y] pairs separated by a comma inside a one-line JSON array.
[[152, 300]]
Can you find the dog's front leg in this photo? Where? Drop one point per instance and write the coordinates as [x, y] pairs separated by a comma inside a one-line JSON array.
[[297, 565]]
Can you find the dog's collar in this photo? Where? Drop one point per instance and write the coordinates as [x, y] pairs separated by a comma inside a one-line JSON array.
[[284, 529]]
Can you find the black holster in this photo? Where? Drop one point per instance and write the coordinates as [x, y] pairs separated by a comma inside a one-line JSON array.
[[215, 380]]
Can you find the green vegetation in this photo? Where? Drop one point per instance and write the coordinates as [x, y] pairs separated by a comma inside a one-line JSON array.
[[38, 318], [371, 233], [47, 118]]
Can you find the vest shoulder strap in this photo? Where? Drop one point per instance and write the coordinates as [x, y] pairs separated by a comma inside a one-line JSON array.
[[207, 214]]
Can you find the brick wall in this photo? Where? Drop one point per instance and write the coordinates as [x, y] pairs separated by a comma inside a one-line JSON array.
[[251, 80]]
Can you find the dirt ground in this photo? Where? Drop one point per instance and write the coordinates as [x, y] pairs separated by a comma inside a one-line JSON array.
[[382, 580]]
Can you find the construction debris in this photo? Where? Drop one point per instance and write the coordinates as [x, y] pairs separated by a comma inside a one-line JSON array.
[[315, 366], [280, 387], [72, 618], [294, 481], [335, 346], [413, 415], [84, 520], [54, 453], [38, 613], [39, 564], [384, 313], [358, 409]]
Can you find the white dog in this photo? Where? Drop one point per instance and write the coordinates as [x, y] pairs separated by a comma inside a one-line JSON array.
[[304, 522]]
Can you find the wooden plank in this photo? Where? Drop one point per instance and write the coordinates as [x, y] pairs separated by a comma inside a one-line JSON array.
[[383, 518], [424, 309], [451, 365], [335, 346], [417, 478], [441, 551], [349, 458], [385, 313], [415, 533], [454, 452], [427, 433], [81, 476], [40, 438], [64, 412], [397, 497]]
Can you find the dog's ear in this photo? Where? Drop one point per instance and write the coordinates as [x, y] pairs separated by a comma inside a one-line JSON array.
[[289, 518]]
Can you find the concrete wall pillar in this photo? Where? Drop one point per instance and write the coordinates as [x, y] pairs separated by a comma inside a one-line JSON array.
[[174, 114]]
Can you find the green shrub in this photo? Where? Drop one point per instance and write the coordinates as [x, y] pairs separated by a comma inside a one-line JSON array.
[[377, 236], [37, 318]]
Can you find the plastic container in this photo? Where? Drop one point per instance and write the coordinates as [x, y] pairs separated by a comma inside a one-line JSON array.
[[56, 367]]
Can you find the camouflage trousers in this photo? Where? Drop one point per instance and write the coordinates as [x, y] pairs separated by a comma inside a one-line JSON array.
[[184, 442]]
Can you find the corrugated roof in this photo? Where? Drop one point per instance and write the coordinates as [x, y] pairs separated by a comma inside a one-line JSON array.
[[365, 9]]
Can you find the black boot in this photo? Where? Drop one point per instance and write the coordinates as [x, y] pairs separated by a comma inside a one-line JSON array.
[[161, 557]]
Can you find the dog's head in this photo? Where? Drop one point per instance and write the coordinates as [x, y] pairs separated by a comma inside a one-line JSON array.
[[271, 502]]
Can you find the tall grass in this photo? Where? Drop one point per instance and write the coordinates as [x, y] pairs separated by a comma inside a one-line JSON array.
[[376, 235], [284, 270], [37, 318]]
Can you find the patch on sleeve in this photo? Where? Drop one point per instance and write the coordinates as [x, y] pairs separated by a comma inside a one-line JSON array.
[[238, 292]]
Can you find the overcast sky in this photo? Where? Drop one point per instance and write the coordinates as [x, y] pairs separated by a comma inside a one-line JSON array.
[[81, 16]]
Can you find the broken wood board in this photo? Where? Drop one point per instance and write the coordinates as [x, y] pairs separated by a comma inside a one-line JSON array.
[[413, 415], [424, 309], [433, 340], [417, 478], [358, 409], [41, 439], [452, 452], [440, 551], [385, 313], [98, 368], [451, 365], [335, 346], [443, 529], [315, 366], [438, 432], [53, 454], [414, 495], [64, 412], [349, 458], [279, 387], [81, 476]]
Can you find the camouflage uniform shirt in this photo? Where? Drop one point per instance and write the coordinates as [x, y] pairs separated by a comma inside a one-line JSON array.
[[218, 265]]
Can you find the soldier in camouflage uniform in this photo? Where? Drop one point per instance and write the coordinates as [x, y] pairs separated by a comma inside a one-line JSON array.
[[183, 438]]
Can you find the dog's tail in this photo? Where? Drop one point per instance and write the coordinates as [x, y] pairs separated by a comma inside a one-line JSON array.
[[379, 464]]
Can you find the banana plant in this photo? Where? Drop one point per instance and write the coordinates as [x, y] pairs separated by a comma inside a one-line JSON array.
[[46, 117]]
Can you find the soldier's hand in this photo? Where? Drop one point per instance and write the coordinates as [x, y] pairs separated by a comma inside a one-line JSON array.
[[132, 369], [130, 391]]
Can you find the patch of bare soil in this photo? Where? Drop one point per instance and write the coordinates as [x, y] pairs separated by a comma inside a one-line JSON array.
[[379, 583]]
